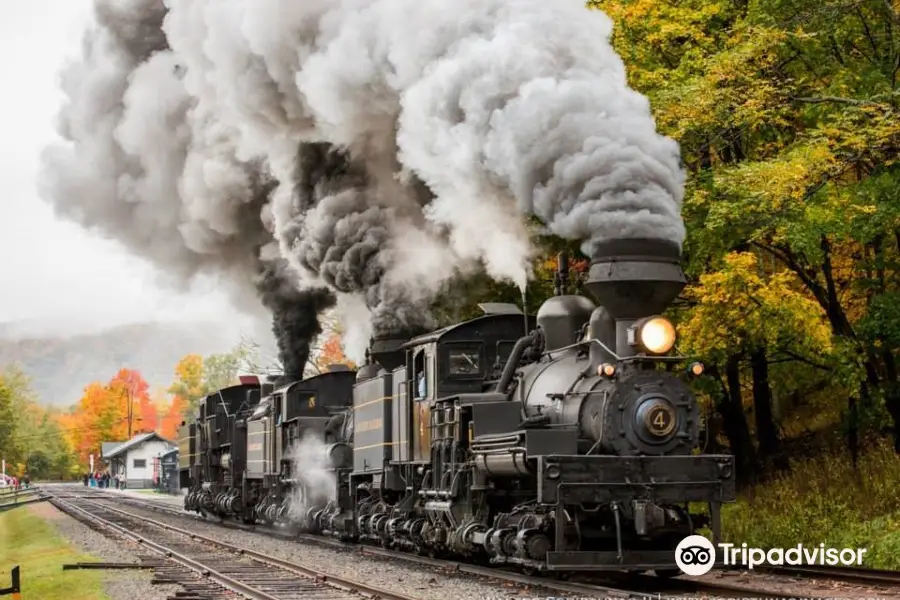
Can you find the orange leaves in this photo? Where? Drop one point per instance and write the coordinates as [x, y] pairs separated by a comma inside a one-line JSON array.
[[172, 418], [545, 269], [331, 353], [102, 414]]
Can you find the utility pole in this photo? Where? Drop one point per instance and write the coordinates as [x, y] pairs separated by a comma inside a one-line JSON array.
[[130, 408]]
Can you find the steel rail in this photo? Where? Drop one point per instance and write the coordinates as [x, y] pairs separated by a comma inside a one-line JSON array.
[[333, 581], [590, 590], [669, 585], [843, 573], [223, 580]]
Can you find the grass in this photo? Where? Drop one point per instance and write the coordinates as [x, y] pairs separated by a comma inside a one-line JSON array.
[[31, 543], [823, 500]]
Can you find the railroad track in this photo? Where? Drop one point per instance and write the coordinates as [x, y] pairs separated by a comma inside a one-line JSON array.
[[219, 570], [842, 573], [650, 586], [89, 507]]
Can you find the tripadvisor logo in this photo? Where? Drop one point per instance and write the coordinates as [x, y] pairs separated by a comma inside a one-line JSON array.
[[696, 555]]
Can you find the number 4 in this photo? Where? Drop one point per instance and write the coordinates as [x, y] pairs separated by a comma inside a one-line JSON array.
[[660, 419]]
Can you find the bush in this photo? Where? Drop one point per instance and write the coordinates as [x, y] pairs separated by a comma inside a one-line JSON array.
[[823, 500]]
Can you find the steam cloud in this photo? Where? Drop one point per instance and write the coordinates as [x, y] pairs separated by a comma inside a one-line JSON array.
[[310, 467], [355, 151]]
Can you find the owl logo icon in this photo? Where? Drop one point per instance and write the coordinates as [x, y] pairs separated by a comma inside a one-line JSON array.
[[695, 555]]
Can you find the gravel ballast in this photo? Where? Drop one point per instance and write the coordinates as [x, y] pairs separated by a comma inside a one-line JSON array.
[[426, 582], [120, 584], [410, 579]]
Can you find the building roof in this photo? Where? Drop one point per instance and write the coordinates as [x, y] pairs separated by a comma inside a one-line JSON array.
[[135, 442], [107, 447]]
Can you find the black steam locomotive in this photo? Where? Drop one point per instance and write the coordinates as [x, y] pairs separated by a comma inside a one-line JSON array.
[[565, 442]]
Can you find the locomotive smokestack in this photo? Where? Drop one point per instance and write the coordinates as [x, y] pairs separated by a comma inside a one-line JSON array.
[[634, 278], [562, 273]]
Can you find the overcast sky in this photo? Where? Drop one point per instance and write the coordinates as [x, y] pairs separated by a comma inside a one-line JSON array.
[[52, 270]]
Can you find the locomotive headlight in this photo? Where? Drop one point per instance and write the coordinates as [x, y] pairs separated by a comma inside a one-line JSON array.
[[656, 335], [696, 369]]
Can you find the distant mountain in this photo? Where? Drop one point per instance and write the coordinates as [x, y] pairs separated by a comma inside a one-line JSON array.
[[60, 367]]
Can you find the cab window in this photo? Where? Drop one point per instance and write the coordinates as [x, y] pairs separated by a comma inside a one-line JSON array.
[[463, 361], [420, 379]]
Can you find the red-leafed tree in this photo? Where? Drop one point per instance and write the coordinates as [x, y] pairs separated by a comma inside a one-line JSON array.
[[131, 387], [331, 353], [172, 418]]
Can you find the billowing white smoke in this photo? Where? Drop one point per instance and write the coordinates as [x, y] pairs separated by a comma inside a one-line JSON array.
[[205, 130], [314, 483]]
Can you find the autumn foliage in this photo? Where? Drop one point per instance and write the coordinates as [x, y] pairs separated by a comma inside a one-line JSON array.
[[332, 353], [102, 413], [172, 418]]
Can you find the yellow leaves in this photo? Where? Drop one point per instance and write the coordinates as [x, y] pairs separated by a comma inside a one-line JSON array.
[[661, 23], [790, 176], [740, 306], [189, 378]]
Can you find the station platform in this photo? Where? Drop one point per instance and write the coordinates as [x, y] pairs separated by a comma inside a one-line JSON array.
[[145, 494]]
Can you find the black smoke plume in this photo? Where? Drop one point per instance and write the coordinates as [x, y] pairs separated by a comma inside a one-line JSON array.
[[295, 315]]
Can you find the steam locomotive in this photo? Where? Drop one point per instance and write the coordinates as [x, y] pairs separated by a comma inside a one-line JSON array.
[[565, 442]]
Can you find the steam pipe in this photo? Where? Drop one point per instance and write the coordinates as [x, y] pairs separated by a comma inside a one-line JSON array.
[[513, 362], [335, 423]]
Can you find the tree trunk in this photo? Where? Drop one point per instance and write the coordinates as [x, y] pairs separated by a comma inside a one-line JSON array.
[[766, 431], [828, 298], [734, 421]]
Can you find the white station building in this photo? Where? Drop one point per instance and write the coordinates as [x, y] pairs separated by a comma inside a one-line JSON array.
[[135, 458]]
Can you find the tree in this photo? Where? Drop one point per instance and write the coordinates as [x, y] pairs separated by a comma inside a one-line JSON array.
[[741, 313], [8, 420], [38, 465], [14, 397], [40, 434], [189, 382], [332, 353], [221, 370], [787, 118], [459, 299], [102, 413], [172, 418], [130, 387]]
